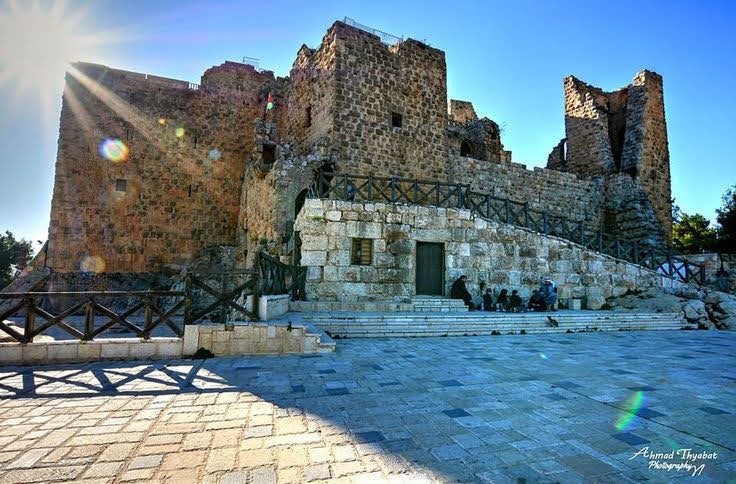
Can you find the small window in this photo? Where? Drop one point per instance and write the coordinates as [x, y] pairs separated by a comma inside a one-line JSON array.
[[362, 254], [121, 185], [396, 120], [268, 155], [309, 116]]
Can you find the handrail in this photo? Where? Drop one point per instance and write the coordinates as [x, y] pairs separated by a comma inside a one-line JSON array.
[[448, 195]]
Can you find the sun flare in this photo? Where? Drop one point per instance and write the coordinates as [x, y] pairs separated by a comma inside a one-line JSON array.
[[38, 41]]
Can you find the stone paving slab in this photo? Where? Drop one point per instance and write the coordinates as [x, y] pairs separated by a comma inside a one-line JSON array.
[[588, 407]]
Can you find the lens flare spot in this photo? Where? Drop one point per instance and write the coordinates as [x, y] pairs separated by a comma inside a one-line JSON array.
[[179, 132], [92, 263], [632, 407], [162, 121], [214, 154], [114, 150]]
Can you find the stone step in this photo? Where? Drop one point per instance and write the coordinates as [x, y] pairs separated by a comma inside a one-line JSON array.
[[441, 309], [437, 301], [366, 306], [572, 316], [478, 323]]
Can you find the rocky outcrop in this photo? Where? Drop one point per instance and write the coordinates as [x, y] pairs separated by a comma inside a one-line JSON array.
[[707, 309]]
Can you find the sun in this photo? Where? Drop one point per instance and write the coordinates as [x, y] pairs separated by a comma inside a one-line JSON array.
[[38, 41]]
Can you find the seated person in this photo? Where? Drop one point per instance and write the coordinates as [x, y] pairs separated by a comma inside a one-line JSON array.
[[488, 301], [502, 303], [536, 302], [549, 292], [515, 303], [459, 291]]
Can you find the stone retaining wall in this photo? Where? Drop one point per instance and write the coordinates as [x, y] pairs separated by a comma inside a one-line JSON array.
[[233, 339], [503, 256]]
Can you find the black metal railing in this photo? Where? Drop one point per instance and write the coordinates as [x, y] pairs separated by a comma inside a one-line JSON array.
[[368, 188]]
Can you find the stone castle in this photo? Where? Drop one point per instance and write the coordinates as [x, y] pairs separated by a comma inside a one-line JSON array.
[[211, 165]]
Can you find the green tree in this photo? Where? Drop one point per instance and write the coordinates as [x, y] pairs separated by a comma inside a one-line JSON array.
[[14, 256], [693, 234], [726, 218]]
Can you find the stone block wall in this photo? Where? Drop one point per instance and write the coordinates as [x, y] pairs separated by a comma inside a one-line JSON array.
[[646, 151], [501, 255], [461, 112], [236, 173], [373, 81], [622, 134], [559, 193], [176, 194]]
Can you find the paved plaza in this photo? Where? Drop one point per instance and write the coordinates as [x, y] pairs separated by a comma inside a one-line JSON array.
[[522, 408]]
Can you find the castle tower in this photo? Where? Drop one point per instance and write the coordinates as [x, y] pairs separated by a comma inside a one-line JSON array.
[[619, 139]]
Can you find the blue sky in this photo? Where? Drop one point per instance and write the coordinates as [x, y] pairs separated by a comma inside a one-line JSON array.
[[508, 58]]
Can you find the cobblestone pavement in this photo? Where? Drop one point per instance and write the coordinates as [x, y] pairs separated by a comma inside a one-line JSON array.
[[546, 408]]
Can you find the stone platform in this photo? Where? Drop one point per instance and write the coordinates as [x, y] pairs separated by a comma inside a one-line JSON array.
[[413, 324], [502, 409]]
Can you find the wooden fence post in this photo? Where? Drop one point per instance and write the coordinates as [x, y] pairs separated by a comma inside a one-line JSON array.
[[148, 321], [89, 320], [223, 304], [30, 319], [187, 298]]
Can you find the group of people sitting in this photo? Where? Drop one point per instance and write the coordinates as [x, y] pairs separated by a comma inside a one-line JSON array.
[[542, 299]]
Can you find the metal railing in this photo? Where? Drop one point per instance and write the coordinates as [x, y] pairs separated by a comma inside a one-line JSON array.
[[386, 38], [454, 195]]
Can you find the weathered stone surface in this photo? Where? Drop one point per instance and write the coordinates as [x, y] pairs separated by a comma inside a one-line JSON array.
[[208, 166], [493, 256]]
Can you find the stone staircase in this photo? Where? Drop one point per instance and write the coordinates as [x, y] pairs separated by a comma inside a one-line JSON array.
[[438, 304], [415, 324], [330, 306]]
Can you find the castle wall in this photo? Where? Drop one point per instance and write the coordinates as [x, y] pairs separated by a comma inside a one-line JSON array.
[[559, 193], [372, 82], [235, 174], [502, 255], [178, 195]]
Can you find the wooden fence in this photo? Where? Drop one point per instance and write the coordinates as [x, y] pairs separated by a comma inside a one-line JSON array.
[[213, 295]]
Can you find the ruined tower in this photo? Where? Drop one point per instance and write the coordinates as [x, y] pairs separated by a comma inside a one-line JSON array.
[[618, 140]]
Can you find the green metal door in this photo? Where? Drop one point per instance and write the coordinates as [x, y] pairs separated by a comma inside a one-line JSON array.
[[430, 268]]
